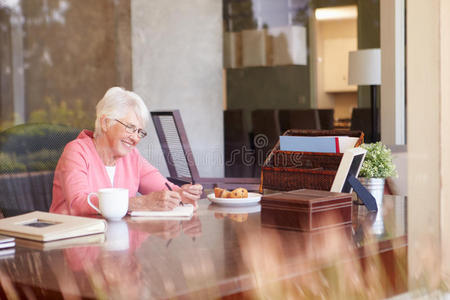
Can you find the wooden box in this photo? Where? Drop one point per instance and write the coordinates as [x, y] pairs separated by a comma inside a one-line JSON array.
[[306, 210]]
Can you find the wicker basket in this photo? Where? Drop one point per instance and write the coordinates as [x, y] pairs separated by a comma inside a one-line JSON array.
[[288, 170]]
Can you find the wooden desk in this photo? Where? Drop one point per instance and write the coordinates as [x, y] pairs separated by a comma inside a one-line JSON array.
[[218, 254]]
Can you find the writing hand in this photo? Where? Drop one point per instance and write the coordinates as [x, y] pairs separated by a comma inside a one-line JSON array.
[[163, 200], [191, 193]]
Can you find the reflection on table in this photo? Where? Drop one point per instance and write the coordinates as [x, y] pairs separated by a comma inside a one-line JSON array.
[[210, 257], [235, 213]]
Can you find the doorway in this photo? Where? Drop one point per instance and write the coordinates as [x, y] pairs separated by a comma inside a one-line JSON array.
[[334, 35]]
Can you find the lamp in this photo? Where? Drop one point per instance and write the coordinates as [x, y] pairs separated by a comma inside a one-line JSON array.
[[364, 68]]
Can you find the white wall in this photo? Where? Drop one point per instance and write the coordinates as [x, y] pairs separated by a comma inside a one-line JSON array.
[[392, 40], [177, 64], [428, 90]]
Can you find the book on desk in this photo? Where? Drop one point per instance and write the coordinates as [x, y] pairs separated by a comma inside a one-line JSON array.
[[323, 144]]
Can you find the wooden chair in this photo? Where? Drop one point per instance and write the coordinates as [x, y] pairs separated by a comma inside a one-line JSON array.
[[361, 121], [298, 119], [266, 133], [28, 156], [326, 117], [237, 145], [179, 158], [283, 117]]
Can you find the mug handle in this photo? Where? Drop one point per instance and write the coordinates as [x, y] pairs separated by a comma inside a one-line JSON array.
[[90, 203]]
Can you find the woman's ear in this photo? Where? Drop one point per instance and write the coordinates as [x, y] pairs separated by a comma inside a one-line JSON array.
[[104, 123]]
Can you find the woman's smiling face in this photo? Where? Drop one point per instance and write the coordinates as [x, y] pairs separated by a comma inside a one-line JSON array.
[[120, 141]]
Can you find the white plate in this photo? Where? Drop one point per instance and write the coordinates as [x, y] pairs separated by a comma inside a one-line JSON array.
[[252, 198], [247, 209]]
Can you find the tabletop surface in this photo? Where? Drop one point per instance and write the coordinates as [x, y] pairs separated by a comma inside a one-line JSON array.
[[222, 251]]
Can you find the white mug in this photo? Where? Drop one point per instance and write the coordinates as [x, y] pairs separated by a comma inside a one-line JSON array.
[[113, 203]]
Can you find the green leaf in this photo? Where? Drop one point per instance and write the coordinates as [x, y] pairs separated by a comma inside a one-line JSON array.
[[378, 162]]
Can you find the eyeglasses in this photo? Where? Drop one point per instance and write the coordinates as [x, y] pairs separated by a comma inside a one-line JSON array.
[[132, 129]]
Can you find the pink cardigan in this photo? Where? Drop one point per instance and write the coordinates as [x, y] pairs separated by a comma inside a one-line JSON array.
[[81, 171]]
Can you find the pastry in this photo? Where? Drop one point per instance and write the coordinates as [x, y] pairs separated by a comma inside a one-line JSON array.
[[218, 192], [239, 193], [225, 194], [236, 193]]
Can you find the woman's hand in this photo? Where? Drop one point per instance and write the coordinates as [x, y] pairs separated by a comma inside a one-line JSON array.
[[190, 193], [163, 200]]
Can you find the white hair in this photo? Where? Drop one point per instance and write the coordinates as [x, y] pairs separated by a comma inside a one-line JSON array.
[[117, 103]]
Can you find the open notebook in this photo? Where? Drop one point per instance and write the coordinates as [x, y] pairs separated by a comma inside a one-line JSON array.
[[180, 211]]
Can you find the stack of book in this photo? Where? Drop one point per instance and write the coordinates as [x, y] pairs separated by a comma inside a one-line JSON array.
[[323, 144], [7, 245]]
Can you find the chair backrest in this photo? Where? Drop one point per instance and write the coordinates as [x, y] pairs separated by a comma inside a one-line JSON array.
[[301, 118], [361, 121], [175, 145], [283, 117], [266, 132], [28, 156], [326, 117], [237, 144], [235, 128], [265, 121]]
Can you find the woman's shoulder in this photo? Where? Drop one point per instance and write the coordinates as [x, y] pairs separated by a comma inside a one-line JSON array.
[[84, 142]]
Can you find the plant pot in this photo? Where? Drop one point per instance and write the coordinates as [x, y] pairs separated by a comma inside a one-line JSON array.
[[375, 186]]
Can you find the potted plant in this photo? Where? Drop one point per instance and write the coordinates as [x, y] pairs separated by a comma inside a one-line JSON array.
[[377, 166]]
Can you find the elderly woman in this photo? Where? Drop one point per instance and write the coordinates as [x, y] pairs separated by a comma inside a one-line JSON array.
[[109, 158]]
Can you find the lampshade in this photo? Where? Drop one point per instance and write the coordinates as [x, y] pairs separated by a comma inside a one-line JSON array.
[[364, 67]]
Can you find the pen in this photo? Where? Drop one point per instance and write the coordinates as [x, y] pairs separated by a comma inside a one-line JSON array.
[[170, 189], [180, 182]]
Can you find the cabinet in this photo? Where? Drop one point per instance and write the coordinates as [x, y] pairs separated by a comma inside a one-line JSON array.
[[335, 64]]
